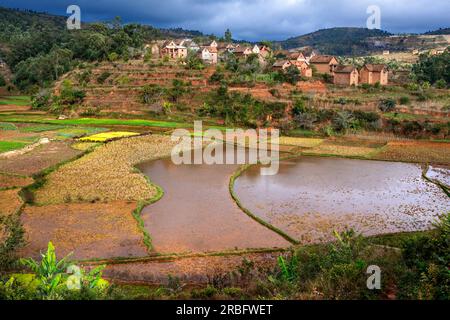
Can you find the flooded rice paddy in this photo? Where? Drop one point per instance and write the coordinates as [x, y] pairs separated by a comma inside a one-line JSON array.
[[311, 196], [308, 199], [197, 212]]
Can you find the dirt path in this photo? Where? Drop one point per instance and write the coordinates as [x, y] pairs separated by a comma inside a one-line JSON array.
[[198, 270]]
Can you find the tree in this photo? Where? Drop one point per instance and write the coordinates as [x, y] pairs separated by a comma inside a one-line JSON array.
[[228, 36], [342, 121], [433, 68], [2, 81], [292, 75]]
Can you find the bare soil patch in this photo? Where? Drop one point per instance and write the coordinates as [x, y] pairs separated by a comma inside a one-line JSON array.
[[38, 159], [88, 230], [416, 151]]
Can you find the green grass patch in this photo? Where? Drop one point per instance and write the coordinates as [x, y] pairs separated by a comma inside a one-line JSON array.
[[15, 100], [302, 133], [7, 126], [403, 116], [6, 146], [75, 132], [42, 128], [97, 122]]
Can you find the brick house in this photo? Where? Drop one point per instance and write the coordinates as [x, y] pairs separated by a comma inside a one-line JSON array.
[[243, 51], [373, 73], [346, 75], [190, 44], [303, 67], [173, 50], [324, 64], [209, 55], [297, 56], [265, 51], [281, 65]]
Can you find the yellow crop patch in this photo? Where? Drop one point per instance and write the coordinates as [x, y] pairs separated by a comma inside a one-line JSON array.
[[106, 136], [301, 142]]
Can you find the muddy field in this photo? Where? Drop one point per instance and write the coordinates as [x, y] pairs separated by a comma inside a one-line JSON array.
[[38, 159], [88, 230]]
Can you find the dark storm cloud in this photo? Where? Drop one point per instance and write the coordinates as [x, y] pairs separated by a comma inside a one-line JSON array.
[[256, 19]]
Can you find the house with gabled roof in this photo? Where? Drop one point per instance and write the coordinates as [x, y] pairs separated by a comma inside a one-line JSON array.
[[297, 56], [189, 44], [243, 51], [265, 51], [174, 50], [374, 73], [281, 65], [346, 75], [324, 64], [209, 55]]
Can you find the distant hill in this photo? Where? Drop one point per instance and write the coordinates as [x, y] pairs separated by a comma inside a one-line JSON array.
[[13, 21], [440, 31], [337, 41]]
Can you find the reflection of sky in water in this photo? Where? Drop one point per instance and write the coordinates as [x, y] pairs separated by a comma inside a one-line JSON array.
[[372, 196], [440, 174]]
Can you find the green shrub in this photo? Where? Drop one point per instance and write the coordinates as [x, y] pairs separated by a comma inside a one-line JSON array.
[[217, 77], [405, 100], [103, 76], [14, 239], [441, 84], [54, 279], [387, 105], [2, 80], [428, 258]]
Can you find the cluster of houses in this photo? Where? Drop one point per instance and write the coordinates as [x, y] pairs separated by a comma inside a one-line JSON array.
[[212, 51], [208, 52], [344, 75]]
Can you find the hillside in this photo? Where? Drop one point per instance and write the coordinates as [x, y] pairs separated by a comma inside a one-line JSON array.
[[337, 41], [360, 41], [440, 31]]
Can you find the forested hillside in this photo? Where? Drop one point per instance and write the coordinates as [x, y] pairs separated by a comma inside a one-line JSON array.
[[39, 49], [337, 41]]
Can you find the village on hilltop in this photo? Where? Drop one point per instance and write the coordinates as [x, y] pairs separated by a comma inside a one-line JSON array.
[[213, 52]]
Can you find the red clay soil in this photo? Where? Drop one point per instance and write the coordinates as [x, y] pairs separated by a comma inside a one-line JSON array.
[[198, 270], [314, 86], [88, 230], [38, 159]]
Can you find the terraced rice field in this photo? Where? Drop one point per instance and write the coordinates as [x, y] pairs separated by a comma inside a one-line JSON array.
[[310, 197]]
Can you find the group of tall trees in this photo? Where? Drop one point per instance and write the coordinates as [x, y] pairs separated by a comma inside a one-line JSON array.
[[38, 47], [433, 69]]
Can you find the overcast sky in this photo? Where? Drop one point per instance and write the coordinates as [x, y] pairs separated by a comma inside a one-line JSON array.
[[256, 19]]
